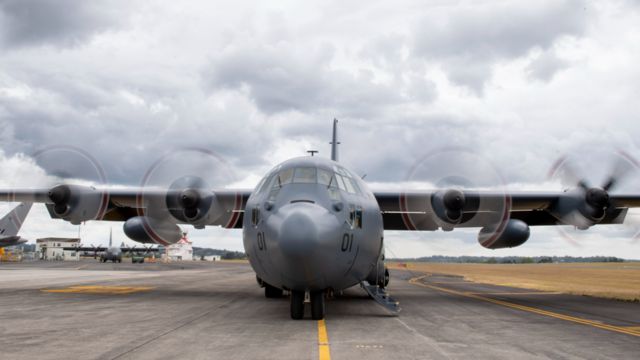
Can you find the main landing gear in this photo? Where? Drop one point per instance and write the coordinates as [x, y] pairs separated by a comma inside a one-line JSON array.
[[317, 304]]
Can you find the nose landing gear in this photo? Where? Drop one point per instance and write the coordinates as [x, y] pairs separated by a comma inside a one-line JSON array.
[[317, 304]]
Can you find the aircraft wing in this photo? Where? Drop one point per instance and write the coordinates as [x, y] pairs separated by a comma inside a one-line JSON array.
[[78, 203], [98, 249], [430, 210]]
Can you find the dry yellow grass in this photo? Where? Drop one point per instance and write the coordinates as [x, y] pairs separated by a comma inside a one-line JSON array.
[[237, 261], [607, 280]]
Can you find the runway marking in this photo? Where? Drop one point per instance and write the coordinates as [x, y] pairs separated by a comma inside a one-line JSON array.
[[619, 329], [98, 289], [324, 352]]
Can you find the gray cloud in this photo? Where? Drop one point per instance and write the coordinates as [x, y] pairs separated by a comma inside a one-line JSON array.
[[258, 88], [54, 22], [286, 77], [545, 66], [467, 41]]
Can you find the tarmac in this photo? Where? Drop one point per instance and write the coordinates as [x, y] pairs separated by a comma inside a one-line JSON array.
[[90, 310]]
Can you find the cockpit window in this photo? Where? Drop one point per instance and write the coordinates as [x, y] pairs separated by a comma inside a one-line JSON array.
[[284, 177], [305, 175], [340, 178], [341, 182], [324, 177]]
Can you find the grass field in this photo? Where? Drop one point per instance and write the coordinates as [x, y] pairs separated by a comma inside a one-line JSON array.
[[608, 280]]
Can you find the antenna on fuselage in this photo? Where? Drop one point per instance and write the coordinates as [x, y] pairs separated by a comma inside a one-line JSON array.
[[312, 152], [334, 142]]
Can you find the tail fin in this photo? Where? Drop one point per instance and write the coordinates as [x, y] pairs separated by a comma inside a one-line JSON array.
[[334, 141], [10, 224], [110, 236]]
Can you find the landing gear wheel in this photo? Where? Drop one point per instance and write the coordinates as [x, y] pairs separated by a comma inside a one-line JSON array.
[[272, 291], [317, 305], [297, 305]]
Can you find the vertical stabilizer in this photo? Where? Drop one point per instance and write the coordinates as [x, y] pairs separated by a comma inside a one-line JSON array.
[[10, 224], [110, 236], [334, 141]]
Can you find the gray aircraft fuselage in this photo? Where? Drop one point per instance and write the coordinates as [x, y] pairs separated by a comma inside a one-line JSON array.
[[112, 253], [312, 225]]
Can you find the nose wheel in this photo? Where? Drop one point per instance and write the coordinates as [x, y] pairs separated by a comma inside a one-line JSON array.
[[317, 305]]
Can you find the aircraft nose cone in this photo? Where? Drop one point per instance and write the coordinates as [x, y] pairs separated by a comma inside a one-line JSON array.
[[298, 234]]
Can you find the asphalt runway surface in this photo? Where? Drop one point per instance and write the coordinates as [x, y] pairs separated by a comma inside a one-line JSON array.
[[89, 310]]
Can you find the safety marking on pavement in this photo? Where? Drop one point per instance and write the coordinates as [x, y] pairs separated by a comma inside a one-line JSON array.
[[323, 341], [619, 329], [97, 289], [515, 293]]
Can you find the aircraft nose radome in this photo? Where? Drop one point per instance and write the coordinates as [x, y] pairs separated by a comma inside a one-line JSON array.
[[298, 234]]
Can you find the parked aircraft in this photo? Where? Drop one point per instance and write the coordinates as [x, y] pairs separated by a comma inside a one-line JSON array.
[[10, 225], [115, 253], [312, 226]]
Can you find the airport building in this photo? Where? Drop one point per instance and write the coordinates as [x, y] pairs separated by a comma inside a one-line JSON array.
[[53, 249], [180, 251]]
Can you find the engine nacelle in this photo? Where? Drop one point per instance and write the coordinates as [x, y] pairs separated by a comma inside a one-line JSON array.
[[77, 203], [147, 230], [190, 200], [515, 233], [448, 205]]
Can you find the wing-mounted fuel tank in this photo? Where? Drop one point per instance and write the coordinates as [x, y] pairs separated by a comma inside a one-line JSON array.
[[148, 230], [76, 203], [509, 234]]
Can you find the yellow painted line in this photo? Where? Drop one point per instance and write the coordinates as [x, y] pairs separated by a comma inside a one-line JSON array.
[[619, 329], [323, 341], [516, 293], [97, 289]]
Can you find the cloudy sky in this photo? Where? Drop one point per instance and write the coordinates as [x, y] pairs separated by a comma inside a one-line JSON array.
[[514, 85]]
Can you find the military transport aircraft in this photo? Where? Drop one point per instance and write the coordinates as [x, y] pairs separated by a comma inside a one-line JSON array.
[[10, 225], [311, 226], [114, 253]]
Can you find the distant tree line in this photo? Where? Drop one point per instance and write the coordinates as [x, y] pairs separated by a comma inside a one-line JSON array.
[[225, 254], [511, 259]]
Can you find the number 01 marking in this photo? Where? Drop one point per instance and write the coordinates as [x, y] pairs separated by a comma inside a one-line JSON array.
[[347, 242], [262, 245]]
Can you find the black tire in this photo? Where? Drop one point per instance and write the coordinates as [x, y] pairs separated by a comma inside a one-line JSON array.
[[272, 292], [297, 305], [317, 305]]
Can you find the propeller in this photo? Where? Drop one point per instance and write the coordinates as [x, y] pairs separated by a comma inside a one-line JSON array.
[[453, 177], [76, 182], [583, 203], [179, 188]]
